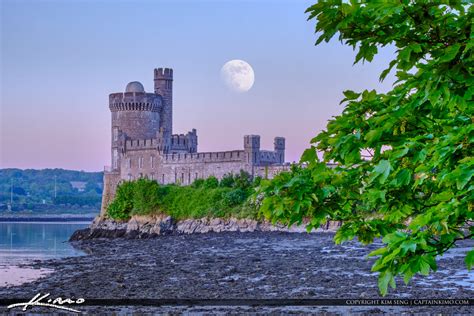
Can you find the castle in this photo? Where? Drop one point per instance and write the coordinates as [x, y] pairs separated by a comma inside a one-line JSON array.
[[143, 143]]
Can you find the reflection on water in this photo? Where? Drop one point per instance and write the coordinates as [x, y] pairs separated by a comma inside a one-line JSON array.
[[22, 242]]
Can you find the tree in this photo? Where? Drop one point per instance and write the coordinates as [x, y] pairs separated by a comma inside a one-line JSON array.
[[404, 159]]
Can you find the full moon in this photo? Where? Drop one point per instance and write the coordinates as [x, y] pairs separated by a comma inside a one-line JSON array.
[[238, 75]]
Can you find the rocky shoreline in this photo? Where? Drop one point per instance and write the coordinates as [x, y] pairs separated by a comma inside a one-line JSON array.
[[236, 265], [142, 227]]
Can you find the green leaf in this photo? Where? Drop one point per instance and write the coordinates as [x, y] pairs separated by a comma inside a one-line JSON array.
[[469, 259], [424, 267], [463, 178], [309, 155], [373, 136], [415, 47], [444, 196], [450, 53], [378, 252], [407, 275], [384, 279], [421, 220], [382, 171], [351, 95], [402, 178], [408, 246]]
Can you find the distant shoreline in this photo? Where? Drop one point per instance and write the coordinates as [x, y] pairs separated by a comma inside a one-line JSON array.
[[52, 218]]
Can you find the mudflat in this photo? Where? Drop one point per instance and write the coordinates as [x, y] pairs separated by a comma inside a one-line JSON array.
[[233, 265]]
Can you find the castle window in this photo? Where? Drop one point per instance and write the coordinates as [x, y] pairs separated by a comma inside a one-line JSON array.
[[196, 176], [152, 176], [129, 163], [115, 159], [115, 134], [189, 178], [152, 162], [140, 162], [182, 178], [163, 178]]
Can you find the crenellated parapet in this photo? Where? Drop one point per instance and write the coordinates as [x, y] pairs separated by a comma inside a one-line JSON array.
[[205, 157], [184, 143], [140, 144], [268, 157], [135, 101]]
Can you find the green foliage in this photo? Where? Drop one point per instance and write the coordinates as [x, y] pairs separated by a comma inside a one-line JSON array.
[[31, 187], [211, 183], [146, 195], [227, 181], [198, 183], [204, 198], [235, 197], [243, 180], [122, 205], [404, 159]]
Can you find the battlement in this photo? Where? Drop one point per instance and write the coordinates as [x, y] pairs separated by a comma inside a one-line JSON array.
[[222, 156], [135, 101], [139, 144], [252, 142], [164, 73], [268, 157]]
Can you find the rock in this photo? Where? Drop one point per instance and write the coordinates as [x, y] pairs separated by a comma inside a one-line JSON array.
[[80, 234], [141, 227]]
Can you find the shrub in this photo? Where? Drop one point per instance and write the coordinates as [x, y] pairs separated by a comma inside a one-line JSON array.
[[198, 183], [204, 198], [146, 194], [227, 181], [256, 181], [122, 205], [211, 183], [235, 197], [243, 180]]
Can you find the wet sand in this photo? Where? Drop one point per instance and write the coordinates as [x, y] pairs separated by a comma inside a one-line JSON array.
[[239, 266]]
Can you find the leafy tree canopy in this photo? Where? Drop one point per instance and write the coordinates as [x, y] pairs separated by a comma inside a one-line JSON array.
[[404, 159]]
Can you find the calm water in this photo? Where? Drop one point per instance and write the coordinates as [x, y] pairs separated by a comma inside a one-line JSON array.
[[21, 243]]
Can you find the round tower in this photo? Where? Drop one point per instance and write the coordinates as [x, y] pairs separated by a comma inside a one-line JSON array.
[[135, 115]]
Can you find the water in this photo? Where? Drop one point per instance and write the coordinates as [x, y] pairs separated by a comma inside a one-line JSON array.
[[23, 242]]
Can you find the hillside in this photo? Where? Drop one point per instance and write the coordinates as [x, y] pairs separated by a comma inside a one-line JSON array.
[[50, 190]]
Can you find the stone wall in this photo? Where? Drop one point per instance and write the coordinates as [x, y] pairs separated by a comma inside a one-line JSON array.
[[111, 180]]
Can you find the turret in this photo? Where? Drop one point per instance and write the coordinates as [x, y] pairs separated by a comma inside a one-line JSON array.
[[252, 149], [163, 78], [279, 146]]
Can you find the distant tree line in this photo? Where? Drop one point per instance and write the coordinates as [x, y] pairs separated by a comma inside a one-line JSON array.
[[32, 187]]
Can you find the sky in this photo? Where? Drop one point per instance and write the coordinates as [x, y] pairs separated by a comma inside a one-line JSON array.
[[59, 61]]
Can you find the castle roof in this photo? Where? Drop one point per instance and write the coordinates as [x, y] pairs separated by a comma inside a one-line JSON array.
[[134, 86]]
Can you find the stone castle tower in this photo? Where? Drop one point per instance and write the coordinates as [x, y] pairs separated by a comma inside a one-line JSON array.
[[143, 143]]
